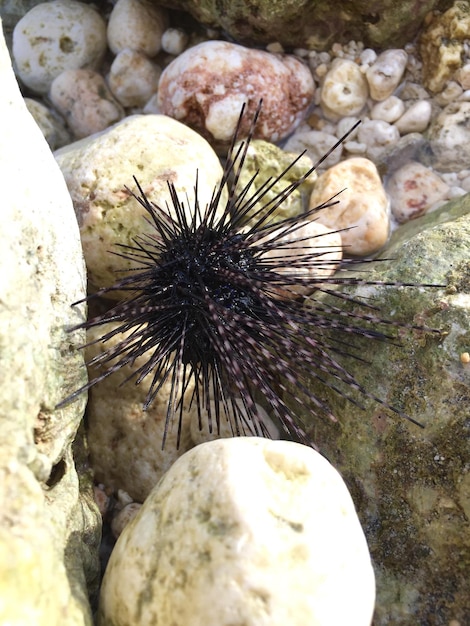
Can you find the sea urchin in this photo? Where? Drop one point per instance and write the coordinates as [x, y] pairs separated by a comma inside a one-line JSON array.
[[216, 301]]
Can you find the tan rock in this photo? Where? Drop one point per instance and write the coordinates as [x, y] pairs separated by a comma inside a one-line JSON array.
[[246, 531], [344, 91], [138, 25], [362, 205]]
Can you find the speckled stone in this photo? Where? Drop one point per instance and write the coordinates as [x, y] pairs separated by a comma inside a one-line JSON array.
[[449, 137], [344, 90], [242, 531], [206, 86]]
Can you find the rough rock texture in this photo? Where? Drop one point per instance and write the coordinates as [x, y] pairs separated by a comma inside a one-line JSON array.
[[412, 485], [49, 526], [242, 531], [449, 137], [314, 24], [154, 148]]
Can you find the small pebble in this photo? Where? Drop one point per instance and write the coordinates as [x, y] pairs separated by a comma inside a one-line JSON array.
[[136, 24], [174, 41], [388, 110], [462, 76], [51, 124], [57, 36], [85, 101], [316, 143], [449, 137], [413, 189], [377, 135], [344, 91], [385, 74], [450, 93], [362, 206], [415, 119], [133, 78]]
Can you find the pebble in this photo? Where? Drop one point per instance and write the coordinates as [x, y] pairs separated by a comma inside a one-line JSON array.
[[133, 78], [243, 531], [155, 149], [56, 36], [83, 98], [123, 517], [388, 110], [362, 206], [344, 91], [413, 189], [377, 135], [206, 86], [174, 41], [51, 124], [449, 137], [415, 119], [138, 25], [316, 144], [384, 75]]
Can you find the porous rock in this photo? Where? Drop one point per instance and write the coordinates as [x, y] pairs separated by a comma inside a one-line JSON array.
[[362, 205], [55, 36], [154, 148], [49, 526], [85, 101], [206, 86], [449, 137], [344, 90], [247, 531], [411, 485]]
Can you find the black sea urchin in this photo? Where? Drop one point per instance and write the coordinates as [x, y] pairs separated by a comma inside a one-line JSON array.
[[216, 301]]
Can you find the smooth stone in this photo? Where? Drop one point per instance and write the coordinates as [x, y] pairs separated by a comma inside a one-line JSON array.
[[415, 119], [388, 110], [242, 531], [315, 144], [133, 78], [378, 137], [344, 90], [154, 148], [138, 25], [385, 74], [56, 36]]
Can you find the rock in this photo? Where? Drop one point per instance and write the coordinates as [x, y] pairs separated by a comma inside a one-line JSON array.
[[449, 137], [206, 86], [314, 26], [344, 90], [385, 74], [174, 41], [49, 526], [138, 25], [154, 148], [55, 36], [123, 517], [315, 144], [85, 101], [51, 124], [273, 540], [413, 189], [377, 135], [126, 440], [441, 45], [362, 205], [415, 119], [388, 110], [411, 485], [133, 78]]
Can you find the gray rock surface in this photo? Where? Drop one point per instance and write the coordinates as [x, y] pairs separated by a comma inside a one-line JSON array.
[[49, 527]]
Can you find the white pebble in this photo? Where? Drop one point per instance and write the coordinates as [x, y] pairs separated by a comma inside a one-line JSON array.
[[56, 36], [413, 189], [355, 147], [416, 119], [388, 110], [449, 137], [368, 56], [465, 184], [450, 93], [316, 143], [174, 41], [377, 135], [385, 73], [344, 91], [133, 78], [455, 192], [344, 125], [85, 101], [462, 76], [136, 24]]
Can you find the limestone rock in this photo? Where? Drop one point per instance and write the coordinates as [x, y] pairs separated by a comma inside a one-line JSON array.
[[206, 86], [344, 90], [247, 531], [362, 205], [153, 148], [411, 485], [49, 526], [449, 137]]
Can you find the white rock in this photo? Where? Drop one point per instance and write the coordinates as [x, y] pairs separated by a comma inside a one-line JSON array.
[[462, 76], [377, 135], [363, 206], [345, 125], [316, 143], [174, 41], [368, 56], [344, 91], [385, 74], [413, 189], [243, 531], [206, 86], [388, 110], [416, 119], [133, 78], [450, 93], [449, 137], [56, 36], [155, 149], [136, 24], [85, 101], [50, 123]]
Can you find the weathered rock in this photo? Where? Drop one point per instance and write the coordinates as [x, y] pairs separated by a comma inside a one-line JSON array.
[[49, 526], [344, 90], [133, 78], [242, 531], [313, 25], [154, 148], [449, 137], [138, 25], [51, 124], [411, 485], [384, 75]]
